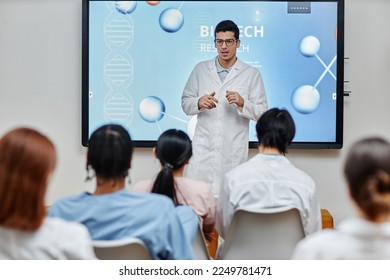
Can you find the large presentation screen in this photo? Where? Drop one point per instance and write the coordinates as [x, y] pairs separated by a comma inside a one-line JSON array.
[[138, 55]]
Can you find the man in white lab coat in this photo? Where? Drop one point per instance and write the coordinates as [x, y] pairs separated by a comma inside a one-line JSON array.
[[225, 93]]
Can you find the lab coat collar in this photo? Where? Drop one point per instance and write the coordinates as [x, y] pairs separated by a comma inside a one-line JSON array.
[[234, 71]]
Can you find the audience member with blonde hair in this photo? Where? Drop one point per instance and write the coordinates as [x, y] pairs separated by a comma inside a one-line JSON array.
[[367, 236], [27, 160]]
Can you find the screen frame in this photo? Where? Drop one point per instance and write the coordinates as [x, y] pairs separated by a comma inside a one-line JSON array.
[[337, 144]]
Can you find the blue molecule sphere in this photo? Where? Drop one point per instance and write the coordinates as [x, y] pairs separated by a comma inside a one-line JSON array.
[[171, 20], [305, 99], [151, 109], [309, 46], [125, 7]]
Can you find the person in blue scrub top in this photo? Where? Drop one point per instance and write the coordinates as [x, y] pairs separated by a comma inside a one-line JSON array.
[[111, 212]]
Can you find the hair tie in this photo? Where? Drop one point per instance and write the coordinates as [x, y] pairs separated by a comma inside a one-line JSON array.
[[168, 166]]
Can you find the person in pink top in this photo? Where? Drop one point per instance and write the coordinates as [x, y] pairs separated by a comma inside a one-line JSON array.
[[174, 150]]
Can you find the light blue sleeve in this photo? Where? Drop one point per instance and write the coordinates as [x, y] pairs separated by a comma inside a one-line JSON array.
[[189, 220], [182, 230]]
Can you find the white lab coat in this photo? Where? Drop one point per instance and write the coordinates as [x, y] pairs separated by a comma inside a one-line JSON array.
[[220, 141], [268, 181], [353, 239], [55, 239]]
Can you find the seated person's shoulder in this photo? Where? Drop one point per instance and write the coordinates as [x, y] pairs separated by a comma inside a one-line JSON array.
[[307, 179], [63, 230], [185, 210], [194, 183], [67, 203], [157, 204], [60, 225]]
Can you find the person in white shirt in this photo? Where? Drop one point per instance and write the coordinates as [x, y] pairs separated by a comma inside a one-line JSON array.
[[269, 179], [366, 236], [27, 160]]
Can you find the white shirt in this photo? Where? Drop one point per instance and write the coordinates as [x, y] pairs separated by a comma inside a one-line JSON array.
[[220, 141], [268, 181], [56, 239], [354, 239]]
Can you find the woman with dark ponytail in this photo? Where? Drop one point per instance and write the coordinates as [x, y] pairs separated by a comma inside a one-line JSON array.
[[367, 236], [173, 150]]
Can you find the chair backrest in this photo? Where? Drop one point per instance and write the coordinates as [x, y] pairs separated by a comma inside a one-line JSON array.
[[199, 246], [267, 234], [122, 249]]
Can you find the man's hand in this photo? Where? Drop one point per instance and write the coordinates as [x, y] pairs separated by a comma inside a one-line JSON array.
[[207, 101], [233, 97]]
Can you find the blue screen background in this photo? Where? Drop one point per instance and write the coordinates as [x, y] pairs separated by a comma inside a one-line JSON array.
[[131, 57]]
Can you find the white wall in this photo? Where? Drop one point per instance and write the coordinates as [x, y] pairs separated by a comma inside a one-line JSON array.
[[40, 86]]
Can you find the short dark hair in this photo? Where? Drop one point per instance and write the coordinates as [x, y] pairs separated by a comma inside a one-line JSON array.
[[367, 171], [227, 25], [275, 129], [110, 150]]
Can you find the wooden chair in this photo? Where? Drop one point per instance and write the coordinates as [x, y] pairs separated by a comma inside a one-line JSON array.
[[327, 219]]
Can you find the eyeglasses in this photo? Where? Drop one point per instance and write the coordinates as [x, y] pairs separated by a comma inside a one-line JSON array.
[[228, 42]]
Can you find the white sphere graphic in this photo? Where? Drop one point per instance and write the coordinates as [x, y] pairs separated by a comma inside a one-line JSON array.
[[309, 46], [305, 99], [151, 109], [191, 126], [125, 7], [171, 20]]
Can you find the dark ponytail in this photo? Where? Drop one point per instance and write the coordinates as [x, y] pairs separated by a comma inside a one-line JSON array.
[[173, 149]]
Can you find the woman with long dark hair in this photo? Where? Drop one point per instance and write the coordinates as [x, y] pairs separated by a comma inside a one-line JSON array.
[[174, 150]]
